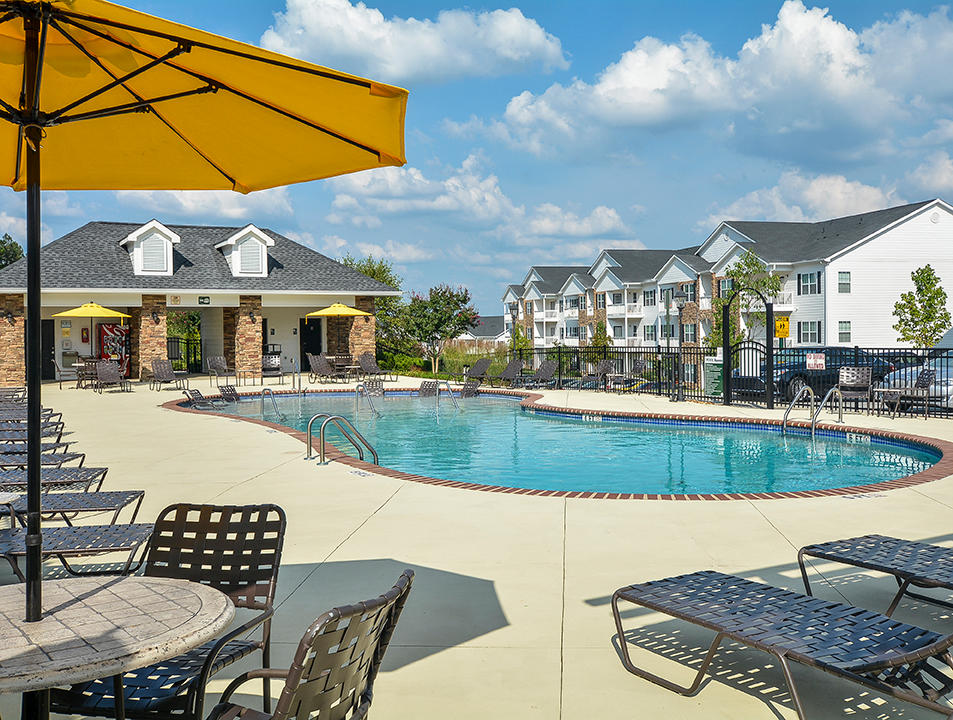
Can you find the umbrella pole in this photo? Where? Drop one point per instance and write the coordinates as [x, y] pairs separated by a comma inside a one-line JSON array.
[[33, 136]]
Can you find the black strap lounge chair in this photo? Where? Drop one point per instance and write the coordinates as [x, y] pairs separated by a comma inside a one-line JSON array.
[[371, 369], [229, 393], [69, 504], [477, 372], [85, 479], [217, 367], [470, 389], [108, 375], [198, 401], [911, 563], [234, 549], [271, 367], [596, 380], [322, 369], [630, 380], [163, 374], [333, 670], [45, 447], [909, 395], [428, 388], [544, 376], [872, 650], [509, 375], [13, 393], [18, 459], [855, 383]]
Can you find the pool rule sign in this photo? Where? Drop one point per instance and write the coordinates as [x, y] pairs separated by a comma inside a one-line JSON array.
[[782, 327]]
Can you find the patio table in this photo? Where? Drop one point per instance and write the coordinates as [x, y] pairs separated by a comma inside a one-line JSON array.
[[93, 628]]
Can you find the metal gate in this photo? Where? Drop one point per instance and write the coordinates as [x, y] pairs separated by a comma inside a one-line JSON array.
[[748, 370], [185, 353]]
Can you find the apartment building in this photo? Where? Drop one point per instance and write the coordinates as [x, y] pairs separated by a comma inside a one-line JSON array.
[[840, 280]]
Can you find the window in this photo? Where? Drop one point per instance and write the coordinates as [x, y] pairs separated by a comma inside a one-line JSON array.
[[601, 301], [616, 298], [648, 298], [529, 307], [691, 332], [550, 331], [843, 282], [668, 331], [529, 333], [689, 290], [635, 330], [666, 297], [689, 373], [843, 331], [725, 286], [153, 253], [573, 331], [561, 308], [648, 331], [574, 302], [809, 283], [249, 257], [562, 333], [618, 331], [809, 333]]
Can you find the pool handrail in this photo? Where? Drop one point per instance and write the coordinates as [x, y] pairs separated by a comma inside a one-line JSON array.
[[370, 401], [274, 403], [337, 420], [446, 384], [840, 413], [806, 389]]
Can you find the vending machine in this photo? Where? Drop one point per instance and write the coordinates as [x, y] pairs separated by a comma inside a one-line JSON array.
[[114, 345]]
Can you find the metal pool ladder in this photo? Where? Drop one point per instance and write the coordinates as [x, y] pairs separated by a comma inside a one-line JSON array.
[[295, 373], [362, 389], [344, 425], [806, 389], [446, 384], [840, 407], [274, 403]]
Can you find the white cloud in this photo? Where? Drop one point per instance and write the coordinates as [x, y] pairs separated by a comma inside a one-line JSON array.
[[205, 204], [459, 43], [550, 220], [401, 252], [934, 175], [797, 198]]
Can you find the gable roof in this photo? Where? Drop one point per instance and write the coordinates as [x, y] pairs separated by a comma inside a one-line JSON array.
[[642, 265], [91, 257], [487, 326], [799, 241], [553, 277], [515, 289]]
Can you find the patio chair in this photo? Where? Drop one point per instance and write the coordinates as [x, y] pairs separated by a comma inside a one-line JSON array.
[[234, 549], [911, 563], [65, 373], [470, 389], [229, 393], [374, 387], [630, 380], [855, 383], [371, 369], [108, 375], [217, 367], [918, 392], [163, 374], [322, 369], [85, 479], [198, 401], [86, 375], [543, 377], [428, 388], [333, 670], [596, 380], [864, 647], [510, 373], [477, 372], [271, 367]]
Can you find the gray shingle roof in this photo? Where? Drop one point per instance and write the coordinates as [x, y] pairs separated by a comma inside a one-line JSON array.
[[515, 289], [555, 276], [794, 242], [641, 265], [91, 257], [489, 326]]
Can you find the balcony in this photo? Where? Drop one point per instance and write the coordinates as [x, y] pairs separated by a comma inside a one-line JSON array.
[[783, 299], [615, 311], [550, 315], [704, 303]]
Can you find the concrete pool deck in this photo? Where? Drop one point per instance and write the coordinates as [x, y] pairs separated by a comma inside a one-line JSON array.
[[510, 615]]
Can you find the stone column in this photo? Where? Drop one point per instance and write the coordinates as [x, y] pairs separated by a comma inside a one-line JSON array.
[[13, 357], [135, 322], [229, 326], [248, 334], [362, 330], [152, 333]]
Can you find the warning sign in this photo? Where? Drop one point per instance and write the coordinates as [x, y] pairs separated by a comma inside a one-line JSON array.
[[816, 361], [782, 327]]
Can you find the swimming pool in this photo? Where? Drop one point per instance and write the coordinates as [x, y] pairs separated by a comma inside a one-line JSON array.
[[491, 440]]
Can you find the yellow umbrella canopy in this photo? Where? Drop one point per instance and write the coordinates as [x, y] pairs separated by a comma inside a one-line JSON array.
[[90, 310], [131, 101], [337, 310]]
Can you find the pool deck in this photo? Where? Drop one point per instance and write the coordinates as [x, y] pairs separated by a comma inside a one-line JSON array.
[[510, 615]]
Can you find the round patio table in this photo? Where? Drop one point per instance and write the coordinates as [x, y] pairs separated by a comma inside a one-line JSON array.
[[101, 627]]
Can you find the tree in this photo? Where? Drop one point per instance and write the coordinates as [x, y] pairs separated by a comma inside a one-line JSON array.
[[518, 339], [389, 311], [183, 324], [922, 317], [10, 250], [600, 337], [751, 273], [443, 314]]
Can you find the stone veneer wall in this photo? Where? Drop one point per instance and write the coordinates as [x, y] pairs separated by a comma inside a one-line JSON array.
[[229, 322], [598, 315], [247, 346], [151, 335], [363, 330], [13, 357], [135, 319]]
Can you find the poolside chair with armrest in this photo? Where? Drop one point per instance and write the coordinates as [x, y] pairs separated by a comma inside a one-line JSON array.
[[163, 374], [108, 375], [86, 375], [271, 367], [371, 369], [229, 393], [62, 374], [596, 380], [918, 392], [199, 402], [217, 367], [477, 372], [333, 670], [543, 377], [509, 374], [321, 369], [855, 383], [864, 647], [234, 549]]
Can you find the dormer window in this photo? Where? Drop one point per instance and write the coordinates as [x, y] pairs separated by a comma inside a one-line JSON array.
[[150, 248], [247, 252]]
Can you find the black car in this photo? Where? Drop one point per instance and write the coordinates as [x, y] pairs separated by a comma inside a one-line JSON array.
[[791, 373]]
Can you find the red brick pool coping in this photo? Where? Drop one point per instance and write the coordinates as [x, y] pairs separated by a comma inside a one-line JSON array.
[[941, 469]]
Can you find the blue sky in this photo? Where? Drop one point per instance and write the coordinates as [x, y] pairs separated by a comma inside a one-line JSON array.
[[541, 132]]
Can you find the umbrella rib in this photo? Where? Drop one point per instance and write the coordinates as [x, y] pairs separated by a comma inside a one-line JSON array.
[[96, 61], [138, 106], [223, 86]]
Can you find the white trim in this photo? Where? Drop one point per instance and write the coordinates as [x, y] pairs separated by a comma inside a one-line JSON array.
[[248, 229], [691, 272], [886, 228], [722, 224], [151, 225], [206, 291]]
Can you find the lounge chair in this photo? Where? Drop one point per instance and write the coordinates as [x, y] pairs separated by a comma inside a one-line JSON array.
[[108, 375], [855, 383], [543, 377], [596, 380], [371, 369], [630, 380], [62, 374], [198, 401], [17, 394], [428, 388], [333, 670], [321, 369], [911, 563], [918, 392], [217, 367], [510, 373], [477, 372], [68, 504], [14, 460], [867, 648], [163, 374], [229, 393], [234, 549], [85, 479], [470, 389]]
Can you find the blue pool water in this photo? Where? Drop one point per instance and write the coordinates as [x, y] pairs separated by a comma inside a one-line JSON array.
[[492, 441]]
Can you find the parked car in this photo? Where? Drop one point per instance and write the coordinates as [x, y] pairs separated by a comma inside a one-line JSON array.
[[941, 391], [791, 372]]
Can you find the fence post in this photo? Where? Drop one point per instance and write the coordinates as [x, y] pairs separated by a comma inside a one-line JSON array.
[[726, 353], [769, 356], [559, 366]]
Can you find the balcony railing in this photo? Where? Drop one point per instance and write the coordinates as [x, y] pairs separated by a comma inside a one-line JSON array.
[[704, 303], [633, 342], [781, 299], [616, 311], [550, 314]]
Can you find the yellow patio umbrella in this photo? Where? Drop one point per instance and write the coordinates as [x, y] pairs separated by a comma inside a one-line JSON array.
[[116, 99], [92, 310], [336, 310]]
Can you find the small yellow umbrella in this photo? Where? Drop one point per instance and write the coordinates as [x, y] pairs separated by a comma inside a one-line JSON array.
[[336, 310], [91, 310]]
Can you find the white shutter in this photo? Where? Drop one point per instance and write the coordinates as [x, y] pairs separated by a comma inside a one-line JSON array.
[[249, 253], [154, 254]]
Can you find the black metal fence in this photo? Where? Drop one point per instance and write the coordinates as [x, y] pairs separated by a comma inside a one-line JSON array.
[[185, 353]]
